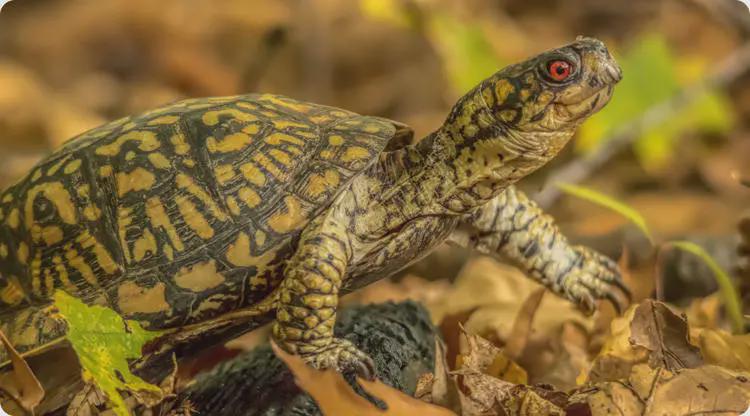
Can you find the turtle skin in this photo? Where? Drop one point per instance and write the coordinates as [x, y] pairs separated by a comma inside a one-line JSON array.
[[209, 217]]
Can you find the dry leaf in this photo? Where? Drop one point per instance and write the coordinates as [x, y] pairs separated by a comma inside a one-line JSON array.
[[495, 292], [659, 392], [489, 382], [481, 391], [649, 332], [86, 401], [724, 349], [705, 390], [521, 331], [451, 330], [659, 329], [617, 355], [484, 357], [23, 386], [561, 361], [335, 397], [444, 390], [607, 399]]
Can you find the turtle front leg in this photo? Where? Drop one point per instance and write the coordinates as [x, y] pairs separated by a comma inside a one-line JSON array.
[[309, 297], [516, 229]]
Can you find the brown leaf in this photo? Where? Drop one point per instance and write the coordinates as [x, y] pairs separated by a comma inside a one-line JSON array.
[[450, 329], [495, 292], [521, 330], [24, 387], [86, 401], [659, 392], [481, 394], [724, 349], [484, 357], [609, 398], [561, 361], [705, 390], [617, 355], [490, 383], [659, 329], [444, 391], [335, 397]]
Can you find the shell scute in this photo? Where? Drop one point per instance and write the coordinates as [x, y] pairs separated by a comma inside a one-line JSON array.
[[130, 214]]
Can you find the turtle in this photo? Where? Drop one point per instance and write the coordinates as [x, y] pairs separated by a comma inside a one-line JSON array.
[[208, 217]]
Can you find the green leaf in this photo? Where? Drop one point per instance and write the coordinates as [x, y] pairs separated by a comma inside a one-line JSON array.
[[606, 201], [389, 11], [728, 292], [466, 52], [104, 343], [653, 75]]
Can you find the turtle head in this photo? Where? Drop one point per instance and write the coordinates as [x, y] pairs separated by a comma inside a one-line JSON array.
[[534, 107], [553, 91]]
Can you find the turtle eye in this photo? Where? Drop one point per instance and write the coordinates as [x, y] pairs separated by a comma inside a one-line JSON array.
[[43, 210], [559, 70]]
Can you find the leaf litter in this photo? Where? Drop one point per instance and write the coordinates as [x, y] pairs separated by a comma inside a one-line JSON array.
[[501, 357]]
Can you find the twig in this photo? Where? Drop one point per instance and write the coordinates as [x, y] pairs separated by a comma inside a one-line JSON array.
[[578, 170]]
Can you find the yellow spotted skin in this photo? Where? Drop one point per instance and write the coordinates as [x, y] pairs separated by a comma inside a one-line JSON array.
[[209, 217]]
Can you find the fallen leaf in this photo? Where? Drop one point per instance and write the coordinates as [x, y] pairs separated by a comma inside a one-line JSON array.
[[521, 330], [444, 390], [104, 343], [488, 380], [561, 361], [724, 349], [648, 332], [23, 387], [705, 390], [335, 397], [86, 401], [609, 398], [495, 293], [450, 329], [484, 357], [617, 355], [656, 327], [656, 391]]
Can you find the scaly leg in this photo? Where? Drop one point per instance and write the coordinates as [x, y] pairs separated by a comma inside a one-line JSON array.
[[308, 298], [516, 229]]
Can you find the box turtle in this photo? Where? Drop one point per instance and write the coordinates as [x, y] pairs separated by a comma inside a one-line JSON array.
[[208, 217]]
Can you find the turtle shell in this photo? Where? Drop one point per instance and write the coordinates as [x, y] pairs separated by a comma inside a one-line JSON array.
[[177, 215]]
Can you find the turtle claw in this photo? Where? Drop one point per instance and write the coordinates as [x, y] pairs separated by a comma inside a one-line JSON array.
[[342, 356], [365, 369], [596, 277]]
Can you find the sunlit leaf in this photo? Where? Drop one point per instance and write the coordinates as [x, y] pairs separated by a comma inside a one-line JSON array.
[[726, 286], [467, 54], [104, 343], [607, 201], [389, 11], [653, 74]]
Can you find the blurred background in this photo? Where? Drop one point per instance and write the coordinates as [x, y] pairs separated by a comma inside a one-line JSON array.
[[674, 143]]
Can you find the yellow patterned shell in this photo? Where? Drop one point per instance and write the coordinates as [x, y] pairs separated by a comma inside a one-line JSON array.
[[176, 215]]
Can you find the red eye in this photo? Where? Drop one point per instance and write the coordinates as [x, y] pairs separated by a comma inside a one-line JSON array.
[[559, 70]]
